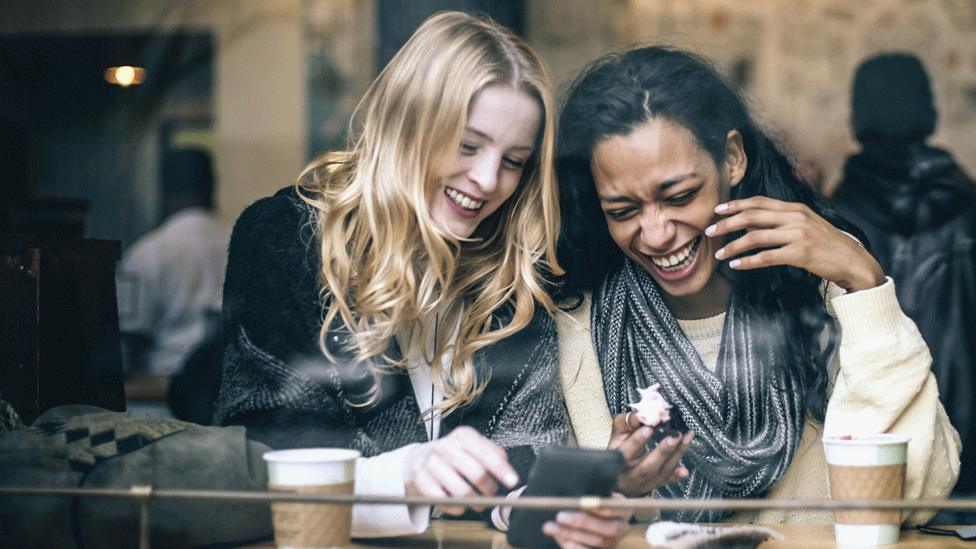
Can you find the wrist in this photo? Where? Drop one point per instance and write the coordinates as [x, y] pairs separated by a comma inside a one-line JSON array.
[[864, 273], [872, 277]]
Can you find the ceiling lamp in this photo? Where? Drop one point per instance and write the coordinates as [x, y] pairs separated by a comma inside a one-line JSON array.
[[125, 75]]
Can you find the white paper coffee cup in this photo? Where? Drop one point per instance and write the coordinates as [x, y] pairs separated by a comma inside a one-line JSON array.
[[866, 467], [312, 471]]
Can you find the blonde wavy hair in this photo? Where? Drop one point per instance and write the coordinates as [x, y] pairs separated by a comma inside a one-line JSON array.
[[386, 267]]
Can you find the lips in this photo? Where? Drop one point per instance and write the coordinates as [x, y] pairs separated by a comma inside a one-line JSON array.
[[463, 200], [678, 259], [679, 264]]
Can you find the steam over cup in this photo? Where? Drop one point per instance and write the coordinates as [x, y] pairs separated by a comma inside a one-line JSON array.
[[311, 471], [866, 467]]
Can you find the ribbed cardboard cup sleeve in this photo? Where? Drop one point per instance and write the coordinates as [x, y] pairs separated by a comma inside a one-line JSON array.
[[849, 482], [312, 525]]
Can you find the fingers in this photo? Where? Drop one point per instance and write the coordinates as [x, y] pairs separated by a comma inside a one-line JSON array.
[[491, 456], [623, 425], [472, 471], [609, 513], [462, 464], [766, 238], [425, 484], [765, 258], [760, 202], [573, 529], [754, 220], [672, 464], [679, 474], [634, 445], [450, 481], [791, 233], [657, 468]]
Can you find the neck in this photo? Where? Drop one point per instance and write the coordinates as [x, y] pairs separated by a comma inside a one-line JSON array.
[[711, 300]]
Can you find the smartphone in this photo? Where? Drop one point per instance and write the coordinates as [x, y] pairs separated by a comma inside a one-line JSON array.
[[562, 471]]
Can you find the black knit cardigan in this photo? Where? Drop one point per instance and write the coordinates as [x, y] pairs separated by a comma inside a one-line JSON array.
[[279, 385]]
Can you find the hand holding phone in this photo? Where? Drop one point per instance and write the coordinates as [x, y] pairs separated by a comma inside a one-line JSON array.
[[562, 471]]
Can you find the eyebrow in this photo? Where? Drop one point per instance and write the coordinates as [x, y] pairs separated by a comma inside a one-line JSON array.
[[490, 139], [665, 185]]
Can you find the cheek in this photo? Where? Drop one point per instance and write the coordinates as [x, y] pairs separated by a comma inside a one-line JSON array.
[[509, 185], [621, 234]]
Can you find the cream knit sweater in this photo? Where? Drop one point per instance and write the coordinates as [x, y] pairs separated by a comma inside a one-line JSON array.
[[881, 382]]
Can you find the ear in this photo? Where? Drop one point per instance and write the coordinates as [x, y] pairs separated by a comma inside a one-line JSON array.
[[735, 158]]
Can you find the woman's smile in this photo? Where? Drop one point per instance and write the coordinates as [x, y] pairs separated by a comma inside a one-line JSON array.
[[678, 265]]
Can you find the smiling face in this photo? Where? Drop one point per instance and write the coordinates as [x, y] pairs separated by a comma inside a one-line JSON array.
[[476, 179], [658, 189]]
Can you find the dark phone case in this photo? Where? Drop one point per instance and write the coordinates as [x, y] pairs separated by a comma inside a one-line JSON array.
[[562, 471]]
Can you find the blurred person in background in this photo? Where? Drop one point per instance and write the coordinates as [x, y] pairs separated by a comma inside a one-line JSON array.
[[171, 280], [394, 301], [918, 209], [696, 259]]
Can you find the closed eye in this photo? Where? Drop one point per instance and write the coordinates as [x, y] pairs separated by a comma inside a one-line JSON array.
[[513, 163], [681, 198], [619, 215], [467, 148]]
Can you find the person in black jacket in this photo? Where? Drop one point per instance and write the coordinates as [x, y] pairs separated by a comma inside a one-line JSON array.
[[918, 209]]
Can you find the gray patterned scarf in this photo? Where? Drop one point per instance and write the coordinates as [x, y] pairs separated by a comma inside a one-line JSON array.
[[747, 416]]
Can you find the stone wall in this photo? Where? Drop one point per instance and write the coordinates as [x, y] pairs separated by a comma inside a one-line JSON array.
[[794, 58]]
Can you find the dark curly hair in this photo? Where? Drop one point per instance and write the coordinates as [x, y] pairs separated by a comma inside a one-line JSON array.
[[617, 93]]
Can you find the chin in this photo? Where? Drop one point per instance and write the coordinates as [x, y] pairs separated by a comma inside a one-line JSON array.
[[460, 230], [686, 287]]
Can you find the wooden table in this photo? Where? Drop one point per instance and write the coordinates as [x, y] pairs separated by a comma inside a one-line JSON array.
[[462, 534]]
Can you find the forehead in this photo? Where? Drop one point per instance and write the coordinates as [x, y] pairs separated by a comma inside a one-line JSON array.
[[653, 152], [505, 114]]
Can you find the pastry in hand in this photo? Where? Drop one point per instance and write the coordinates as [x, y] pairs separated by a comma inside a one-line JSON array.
[[654, 411]]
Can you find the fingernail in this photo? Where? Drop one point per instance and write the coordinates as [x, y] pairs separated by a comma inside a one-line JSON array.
[[721, 208], [646, 431], [511, 479], [720, 253], [735, 263], [550, 528], [710, 231], [562, 516]]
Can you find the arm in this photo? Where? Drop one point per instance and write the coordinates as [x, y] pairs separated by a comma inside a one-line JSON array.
[[275, 379], [278, 384], [884, 384]]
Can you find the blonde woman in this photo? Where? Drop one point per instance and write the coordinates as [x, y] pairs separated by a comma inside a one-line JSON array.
[[395, 300]]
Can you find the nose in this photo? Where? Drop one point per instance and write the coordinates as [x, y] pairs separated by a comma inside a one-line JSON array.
[[484, 171], [657, 231]]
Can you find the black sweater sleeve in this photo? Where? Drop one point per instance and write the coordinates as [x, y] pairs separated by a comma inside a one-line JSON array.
[[276, 382]]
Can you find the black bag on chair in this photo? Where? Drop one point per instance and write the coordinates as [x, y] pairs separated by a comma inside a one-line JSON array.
[[84, 446]]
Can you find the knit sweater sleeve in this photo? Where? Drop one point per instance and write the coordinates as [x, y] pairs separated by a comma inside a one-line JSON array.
[[275, 379], [883, 383]]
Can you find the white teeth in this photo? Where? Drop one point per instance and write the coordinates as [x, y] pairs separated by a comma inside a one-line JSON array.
[[678, 258], [463, 201]]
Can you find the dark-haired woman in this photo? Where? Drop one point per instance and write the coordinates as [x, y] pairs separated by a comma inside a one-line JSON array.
[[706, 266]]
